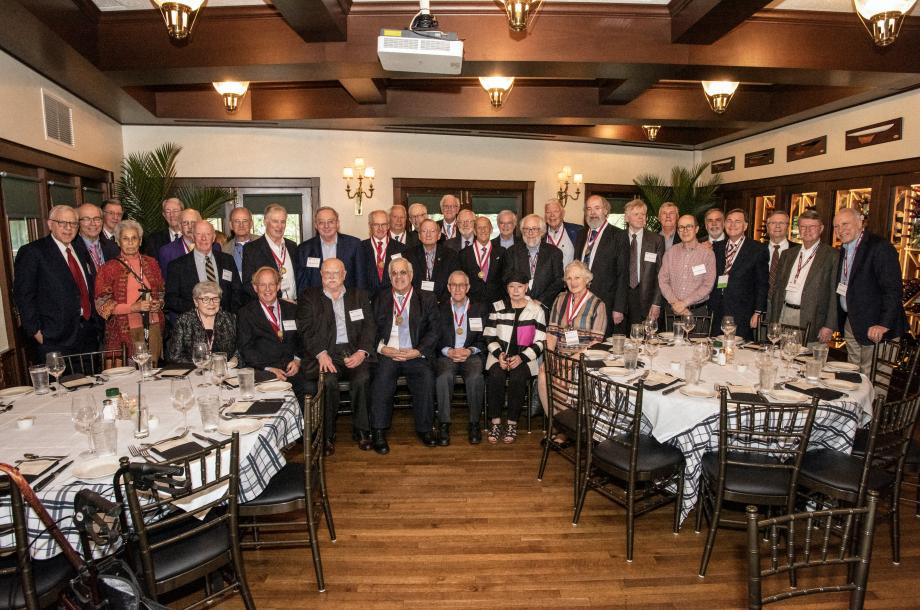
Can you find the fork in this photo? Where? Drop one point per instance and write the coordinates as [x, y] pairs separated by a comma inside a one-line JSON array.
[[136, 451], [182, 434]]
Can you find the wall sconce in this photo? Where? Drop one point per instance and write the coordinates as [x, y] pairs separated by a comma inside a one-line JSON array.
[[565, 177], [360, 172], [883, 18], [651, 131], [180, 16], [232, 92], [719, 93], [498, 87], [519, 12]]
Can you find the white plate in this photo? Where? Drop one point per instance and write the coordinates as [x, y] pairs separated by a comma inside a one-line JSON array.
[[840, 367], [19, 390], [614, 371], [695, 391], [666, 335], [274, 386], [597, 354], [119, 370], [96, 468], [840, 384], [787, 396], [243, 425]]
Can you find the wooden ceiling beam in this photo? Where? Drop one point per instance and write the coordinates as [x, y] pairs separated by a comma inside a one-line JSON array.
[[364, 90], [706, 21], [315, 20], [623, 91]]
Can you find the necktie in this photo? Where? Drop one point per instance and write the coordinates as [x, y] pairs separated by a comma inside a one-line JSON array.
[[429, 264], [97, 255], [81, 284], [209, 273], [774, 263], [533, 264], [587, 257], [731, 249], [633, 263], [238, 256], [485, 265], [379, 262], [176, 236]]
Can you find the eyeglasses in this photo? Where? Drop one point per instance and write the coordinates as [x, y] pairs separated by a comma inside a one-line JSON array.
[[686, 227], [325, 223], [66, 223], [458, 285], [267, 285], [398, 273], [380, 225], [209, 300], [111, 213], [91, 219], [530, 230]]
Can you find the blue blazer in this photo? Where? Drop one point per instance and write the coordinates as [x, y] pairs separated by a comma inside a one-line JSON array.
[[174, 250], [574, 232], [347, 249]]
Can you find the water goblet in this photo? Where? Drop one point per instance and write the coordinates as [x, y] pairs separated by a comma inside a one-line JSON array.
[[56, 366], [183, 399]]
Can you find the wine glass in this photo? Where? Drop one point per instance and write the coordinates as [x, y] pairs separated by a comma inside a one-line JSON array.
[[651, 348], [790, 349], [141, 356], [651, 328], [728, 326], [218, 370], [774, 332], [183, 399], [689, 323], [83, 413], [56, 366], [201, 356]]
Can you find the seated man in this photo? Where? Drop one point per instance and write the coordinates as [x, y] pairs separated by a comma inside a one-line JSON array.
[[267, 336], [460, 346], [407, 334], [337, 330]]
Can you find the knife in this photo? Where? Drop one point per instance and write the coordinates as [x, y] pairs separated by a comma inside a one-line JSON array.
[[207, 439], [44, 482], [673, 388]]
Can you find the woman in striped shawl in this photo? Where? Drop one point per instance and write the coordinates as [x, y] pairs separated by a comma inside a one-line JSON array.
[[515, 336]]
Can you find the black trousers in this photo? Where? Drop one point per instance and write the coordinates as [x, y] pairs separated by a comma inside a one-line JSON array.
[[420, 378], [518, 379], [358, 379]]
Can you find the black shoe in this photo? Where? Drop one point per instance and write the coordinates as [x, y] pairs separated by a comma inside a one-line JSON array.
[[364, 439], [379, 442], [444, 435], [428, 438], [329, 449], [475, 434]]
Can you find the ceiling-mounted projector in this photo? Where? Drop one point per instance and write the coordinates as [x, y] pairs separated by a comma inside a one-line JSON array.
[[421, 48]]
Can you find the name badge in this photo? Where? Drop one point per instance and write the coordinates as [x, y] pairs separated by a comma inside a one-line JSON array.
[[393, 257], [651, 257], [842, 289], [428, 285], [498, 305], [722, 282], [226, 275], [314, 262], [289, 324], [356, 314], [571, 337], [476, 324], [699, 270]]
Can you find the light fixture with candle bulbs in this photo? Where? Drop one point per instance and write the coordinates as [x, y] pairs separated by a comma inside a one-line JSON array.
[[231, 92], [719, 93], [498, 87], [651, 131], [883, 18], [358, 171], [565, 177], [180, 16], [520, 12]]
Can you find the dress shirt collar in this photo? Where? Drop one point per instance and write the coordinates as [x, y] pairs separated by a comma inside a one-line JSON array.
[[533, 250], [332, 298], [782, 244]]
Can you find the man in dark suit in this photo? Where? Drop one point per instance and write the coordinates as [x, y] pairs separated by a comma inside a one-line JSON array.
[[200, 265], [604, 249], [563, 235], [407, 335], [184, 245], [337, 329], [465, 235], [171, 209], [667, 218], [267, 334], [328, 243], [399, 227], [806, 280], [376, 254], [460, 348], [112, 213], [273, 250], [89, 243], [539, 261], [508, 233], [53, 290], [742, 279], [646, 253], [869, 289], [483, 264], [450, 207], [432, 262]]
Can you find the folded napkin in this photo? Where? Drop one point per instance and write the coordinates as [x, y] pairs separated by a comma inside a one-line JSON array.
[[745, 393], [659, 381], [175, 370], [177, 449], [851, 377], [76, 380], [33, 469], [819, 393], [260, 376], [599, 364], [263, 407]]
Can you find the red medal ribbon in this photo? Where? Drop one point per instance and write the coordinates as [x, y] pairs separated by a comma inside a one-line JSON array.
[[459, 321], [556, 242], [482, 259], [571, 311], [589, 243], [800, 264], [279, 261], [272, 319], [397, 310]]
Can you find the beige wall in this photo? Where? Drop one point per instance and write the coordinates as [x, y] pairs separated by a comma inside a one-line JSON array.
[[97, 137], [210, 151], [835, 126]]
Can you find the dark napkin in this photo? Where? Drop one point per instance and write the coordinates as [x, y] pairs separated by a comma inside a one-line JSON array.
[[259, 376], [820, 393], [266, 406], [747, 397], [178, 451], [852, 377], [175, 368], [83, 379], [661, 386]]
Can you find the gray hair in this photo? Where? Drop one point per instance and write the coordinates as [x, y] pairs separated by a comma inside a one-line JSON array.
[[128, 224], [580, 266], [635, 203], [203, 288], [539, 219]]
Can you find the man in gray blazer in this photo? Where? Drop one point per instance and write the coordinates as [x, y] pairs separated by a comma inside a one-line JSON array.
[[646, 251], [806, 280]]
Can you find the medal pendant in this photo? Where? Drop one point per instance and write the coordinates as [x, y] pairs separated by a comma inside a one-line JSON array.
[[282, 270], [380, 264], [459, 331], [280, 335], [480, 275], [399, 320]]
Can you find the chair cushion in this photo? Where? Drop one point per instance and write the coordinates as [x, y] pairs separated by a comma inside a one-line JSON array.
[[566, 421], [185, 555], [749, 480], [49, 574], [840, 471], [653, 456], [286, 486]]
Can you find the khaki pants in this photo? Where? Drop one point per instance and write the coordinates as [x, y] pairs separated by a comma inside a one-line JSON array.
[[154, 343], [790, 316], [856, 353]]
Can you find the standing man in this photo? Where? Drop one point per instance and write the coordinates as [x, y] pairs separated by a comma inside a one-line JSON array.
[[559, 233], [688, 272], [407, 336], [273, 250], [742, 279], [337, 330], [53, 290], [806, 279], [450, 207], [483, 265], [507, 229], [417, 213], [604, 250], [460, 347], [777, 229], [328, 243], [90, 244], [466, 220], [376, 254], [432, 262], [171, 208], [715, 226], [667, 216], [540, 262], [182, 246], [241, 221], [112, 214], [868, 289], [646, 253], [202, 264], [398, 227]]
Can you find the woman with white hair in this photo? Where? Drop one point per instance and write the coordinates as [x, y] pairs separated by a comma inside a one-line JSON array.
[[206, 323]]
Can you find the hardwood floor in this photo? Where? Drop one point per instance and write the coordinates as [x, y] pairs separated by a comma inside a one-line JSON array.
[[470, 526]]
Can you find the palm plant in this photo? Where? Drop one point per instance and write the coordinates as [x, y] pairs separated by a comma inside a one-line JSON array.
[[686, 190]]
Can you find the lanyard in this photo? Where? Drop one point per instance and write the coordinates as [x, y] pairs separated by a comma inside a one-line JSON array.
[[482, 258], [272, 319], [556, 242], [459, 321], [211, 340], [185, 246], [279, 260], [845, 278], [573, 308], [800, 264], [397, 310], [382, 250], [589, 243]]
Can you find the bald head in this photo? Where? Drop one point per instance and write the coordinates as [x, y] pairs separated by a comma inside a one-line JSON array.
[[204, 236], [90, 220]]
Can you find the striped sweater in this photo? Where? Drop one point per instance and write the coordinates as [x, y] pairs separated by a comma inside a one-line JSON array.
[[498, 333]]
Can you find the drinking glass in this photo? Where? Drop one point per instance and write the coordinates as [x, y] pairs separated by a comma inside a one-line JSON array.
[[183, 399], [692, 370], [636, 332], [789, 350], [617, 342], [819, 351], [689, 323], [39, 376], [56, 366], [218, 369], [813, 370], [209, 409], [728, 325], [767, 375], [83, 412], [631, 356], [201, 356], [678, 333], [702, 351], [141, 356], [774, 332], [651, 348], [651, 328]]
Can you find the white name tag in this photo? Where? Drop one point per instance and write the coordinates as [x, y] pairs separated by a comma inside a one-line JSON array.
[[498, 305], [314, 262], [699, 270], [651, 257], [393, 257], [722, 282], [428, 285], [842, 289], [226, 275], [476, 324], [356, 314], [571, 337], [289, 324]]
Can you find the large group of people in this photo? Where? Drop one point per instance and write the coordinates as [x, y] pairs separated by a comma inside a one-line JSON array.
[[430, 301]]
